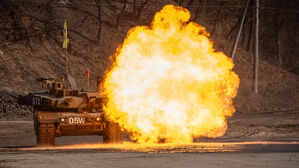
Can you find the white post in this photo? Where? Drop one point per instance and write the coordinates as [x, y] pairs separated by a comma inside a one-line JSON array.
[[239, 32]]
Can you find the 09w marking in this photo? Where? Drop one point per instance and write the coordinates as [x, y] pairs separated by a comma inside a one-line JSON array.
[[76, 120]]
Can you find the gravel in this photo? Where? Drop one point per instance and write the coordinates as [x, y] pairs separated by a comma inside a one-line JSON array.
[[10, 108]]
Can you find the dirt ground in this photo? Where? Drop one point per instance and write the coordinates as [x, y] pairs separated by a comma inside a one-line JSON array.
[[264, 125], [255, 126], [251, 141], [46, 159]]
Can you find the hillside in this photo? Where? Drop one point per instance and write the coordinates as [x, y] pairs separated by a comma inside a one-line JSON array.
[[31, 44]]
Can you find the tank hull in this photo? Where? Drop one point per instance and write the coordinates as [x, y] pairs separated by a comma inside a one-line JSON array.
[[71, 123]]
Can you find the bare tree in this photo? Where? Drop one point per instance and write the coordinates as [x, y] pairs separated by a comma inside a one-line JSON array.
[[121, 13], [199, 9], [98, 4], [137, 8], [190, 3], [217, 18], [278, 22]]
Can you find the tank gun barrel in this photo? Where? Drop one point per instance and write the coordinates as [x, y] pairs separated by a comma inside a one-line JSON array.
[[44, 79]]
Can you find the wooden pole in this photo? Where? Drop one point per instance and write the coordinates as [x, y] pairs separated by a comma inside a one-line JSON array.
[[66, 63], [87, 84], [87, 80], [256, 57], [87, 75], [239, 32]]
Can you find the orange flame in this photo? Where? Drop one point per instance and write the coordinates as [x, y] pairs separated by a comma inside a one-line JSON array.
[[168, 83]]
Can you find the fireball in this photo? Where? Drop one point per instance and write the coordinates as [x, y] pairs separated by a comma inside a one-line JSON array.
[[168, 83]]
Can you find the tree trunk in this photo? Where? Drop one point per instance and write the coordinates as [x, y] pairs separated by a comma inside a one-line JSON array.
[[277, 25], [121, 13], [98, 3], [217, 19], [199, 9]]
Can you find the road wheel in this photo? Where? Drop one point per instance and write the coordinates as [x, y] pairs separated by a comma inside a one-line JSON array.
[[45, 135], [113, 133]]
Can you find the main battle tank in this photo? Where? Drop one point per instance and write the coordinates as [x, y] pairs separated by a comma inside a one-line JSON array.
[[68, 112]]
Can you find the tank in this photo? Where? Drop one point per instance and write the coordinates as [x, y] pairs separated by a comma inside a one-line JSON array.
[[59, 111]]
